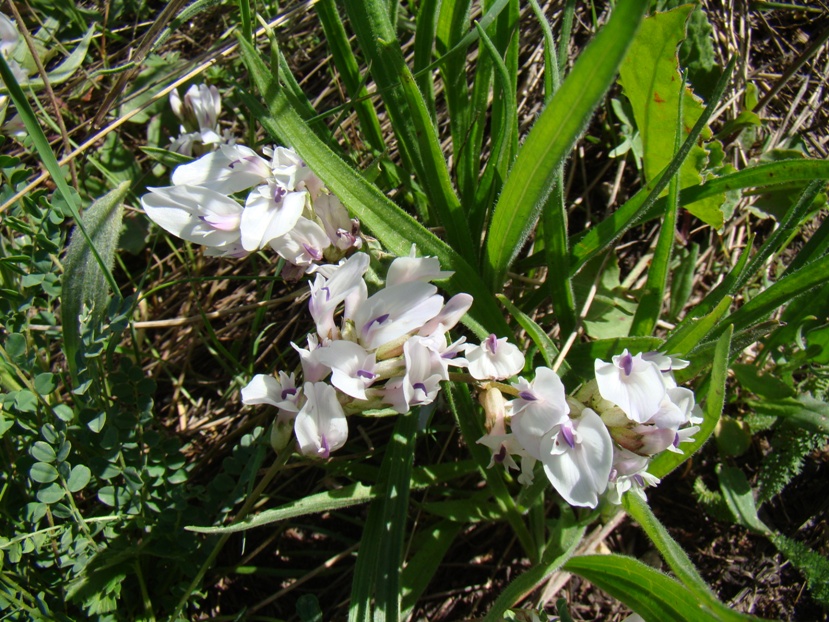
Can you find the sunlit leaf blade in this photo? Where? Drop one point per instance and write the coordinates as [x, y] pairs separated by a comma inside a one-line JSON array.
[[542, 340], [412, 123], [652, 298], [652, 83], [380, 557], [778, 294], [68, 66], [343, 55], [740, 498], [390, 224], [429, 548], [344, 497], [533, 173], [84, 282], [50, 162], [694, 329], [667, 461], [654, 596], [677, 559]]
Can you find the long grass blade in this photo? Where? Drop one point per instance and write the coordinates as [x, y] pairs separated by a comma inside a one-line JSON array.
[[410, 118], [346, 63], [548, 143], [380, 558], [47, 156]]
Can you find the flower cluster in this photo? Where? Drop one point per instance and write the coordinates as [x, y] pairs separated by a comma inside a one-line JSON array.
[[285, 206], [601, 439], [387, 350], [198, 111]]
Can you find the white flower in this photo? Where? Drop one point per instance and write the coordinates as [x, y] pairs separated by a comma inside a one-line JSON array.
[[632, 383], [577, 457], [340, 229], [494, 359], [411, 268], [629, 472], [303, 245], [195, 214], [451, 313], [421, 382], [540, 406], [230, 169], [281, 393], [199, 112], [320, 425], [334, 285], [270, 212], [351, 366], [396, 311]]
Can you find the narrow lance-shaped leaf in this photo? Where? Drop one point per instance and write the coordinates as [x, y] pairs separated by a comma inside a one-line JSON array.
[[47, 156], [84, 282], [653, 595], [416, 134], [377, 572], [551, 138]]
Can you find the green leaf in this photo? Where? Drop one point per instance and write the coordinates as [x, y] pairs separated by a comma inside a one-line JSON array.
[[762, 385], [84, 280], [45, 383], [677, 559], [803, 411], [653, 296], [653, 595], [166, 157], [430, 548], [380, 557], [588, 244], [43, 472], [416, 134], [667, 461], [740, 498], [43, 452], [51, 494], [693, 330], [67, 68], [549, 142], [652, 82], [814, 566], [78, 478], [50, 162], [778, 294]]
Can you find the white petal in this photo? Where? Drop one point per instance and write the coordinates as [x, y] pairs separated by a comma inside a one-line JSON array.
[[229, 170], [262, 389], [321, 425], [580, 474], [187, 212]]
